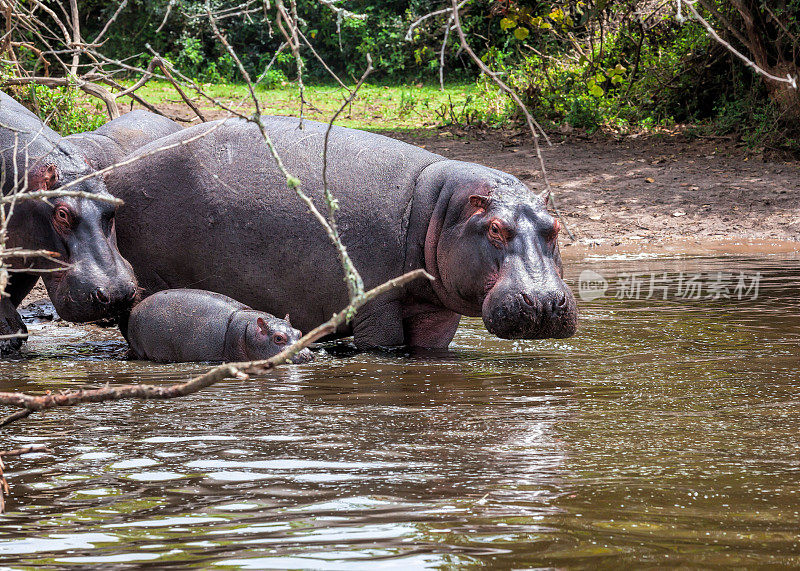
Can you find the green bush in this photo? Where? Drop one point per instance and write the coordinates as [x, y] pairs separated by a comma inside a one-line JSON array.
[[63, 109]]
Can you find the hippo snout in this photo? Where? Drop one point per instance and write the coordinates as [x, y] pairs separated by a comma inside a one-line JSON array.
[[529, 315], [304, 356], [112, 301], [80, 302]]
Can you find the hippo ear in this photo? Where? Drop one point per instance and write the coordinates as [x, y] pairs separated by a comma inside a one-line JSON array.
[[286, 319], [545, 196], [262, 326], [43, 178], [479, 201]]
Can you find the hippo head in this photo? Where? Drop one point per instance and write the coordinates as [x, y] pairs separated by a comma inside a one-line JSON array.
[[96, 282], [269, 335], [493, 249]]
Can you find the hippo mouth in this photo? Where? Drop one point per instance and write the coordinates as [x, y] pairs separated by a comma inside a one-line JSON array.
[[304, 356], [77, 305], [525, 316]]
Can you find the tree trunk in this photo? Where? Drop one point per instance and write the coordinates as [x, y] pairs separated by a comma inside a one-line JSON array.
[[770, 58]]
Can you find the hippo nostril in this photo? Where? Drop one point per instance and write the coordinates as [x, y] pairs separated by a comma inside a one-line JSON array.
[[528, 300], [101, 296], [131, 295]]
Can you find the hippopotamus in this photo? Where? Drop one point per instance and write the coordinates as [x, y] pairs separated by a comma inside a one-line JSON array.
[[23, 140], [182, 325], [94, 282], [214, 211]]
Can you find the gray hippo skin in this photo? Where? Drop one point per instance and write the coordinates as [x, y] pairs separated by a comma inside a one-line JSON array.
[[97, 283], [24, 139], [183, 325], [113, 141], [215, 213]]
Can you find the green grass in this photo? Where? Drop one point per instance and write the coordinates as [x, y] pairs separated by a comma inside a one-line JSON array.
[[376, 107]]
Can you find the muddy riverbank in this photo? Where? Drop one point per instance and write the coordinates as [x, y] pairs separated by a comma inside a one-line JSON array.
[[644, 190]]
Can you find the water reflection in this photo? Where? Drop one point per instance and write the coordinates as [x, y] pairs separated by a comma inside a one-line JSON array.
[[664, 434]]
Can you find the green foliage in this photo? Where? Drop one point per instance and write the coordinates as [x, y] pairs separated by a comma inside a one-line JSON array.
[[592, 64], [63, 109], [600, 65]]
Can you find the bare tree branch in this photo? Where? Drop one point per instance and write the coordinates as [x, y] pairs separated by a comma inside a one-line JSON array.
[[163, 65], [355, 285], [240, 370], [33, 448], [441, 53], [166, 16], [792, 81], [418, 21], [113, 19], [76, 35], [341, 11]]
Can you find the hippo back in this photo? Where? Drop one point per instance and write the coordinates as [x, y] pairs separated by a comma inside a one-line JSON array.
[[116, 139], [24, 139]]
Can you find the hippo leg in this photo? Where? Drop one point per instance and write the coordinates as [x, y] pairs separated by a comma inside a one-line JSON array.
[[431, 328], [19, 285], [379, 323]]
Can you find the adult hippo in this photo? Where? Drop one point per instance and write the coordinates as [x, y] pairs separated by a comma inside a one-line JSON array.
[[96, 282], [214, 212]]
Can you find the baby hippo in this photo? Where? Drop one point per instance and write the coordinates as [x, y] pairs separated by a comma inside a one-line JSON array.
[[177, 325]]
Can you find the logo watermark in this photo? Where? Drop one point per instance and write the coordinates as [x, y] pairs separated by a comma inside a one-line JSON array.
[[664, 285], [592, 285]]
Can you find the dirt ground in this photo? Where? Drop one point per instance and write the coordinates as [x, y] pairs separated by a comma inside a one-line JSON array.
[[645, 190]]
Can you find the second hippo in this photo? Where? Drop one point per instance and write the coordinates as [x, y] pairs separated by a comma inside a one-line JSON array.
[[184, 325]]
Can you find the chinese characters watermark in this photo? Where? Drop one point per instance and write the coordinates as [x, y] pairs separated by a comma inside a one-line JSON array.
[[663, 285]]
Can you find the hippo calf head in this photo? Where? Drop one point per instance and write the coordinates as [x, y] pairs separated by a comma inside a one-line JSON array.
[[268, 336], [96, 282], [495, 254]]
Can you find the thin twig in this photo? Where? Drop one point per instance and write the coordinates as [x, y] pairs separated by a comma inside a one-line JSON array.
[[163, 65], [355, 285], [32, 449], [113, 19]]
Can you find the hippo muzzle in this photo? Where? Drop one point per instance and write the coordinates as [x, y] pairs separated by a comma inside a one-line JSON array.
[[511, 313], [80, 299], [304, 356]]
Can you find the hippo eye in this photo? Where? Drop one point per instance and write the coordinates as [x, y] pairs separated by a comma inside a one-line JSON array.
[[63, 217], [499, 233], [279, 339]]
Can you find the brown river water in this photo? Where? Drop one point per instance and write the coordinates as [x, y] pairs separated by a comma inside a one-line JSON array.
[[665, 433]]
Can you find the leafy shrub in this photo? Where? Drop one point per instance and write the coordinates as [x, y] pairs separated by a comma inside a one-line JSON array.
[[64, 109]]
